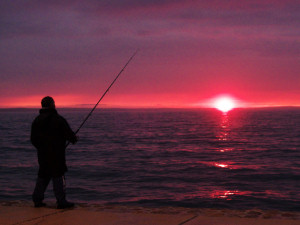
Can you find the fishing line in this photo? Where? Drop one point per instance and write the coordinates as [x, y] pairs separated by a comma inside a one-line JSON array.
[[90, 113]]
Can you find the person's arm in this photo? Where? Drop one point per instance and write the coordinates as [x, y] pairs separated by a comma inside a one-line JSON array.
[[34, 138], [68, 133]]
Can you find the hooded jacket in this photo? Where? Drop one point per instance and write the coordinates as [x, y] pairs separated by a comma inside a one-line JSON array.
[[49, 134]]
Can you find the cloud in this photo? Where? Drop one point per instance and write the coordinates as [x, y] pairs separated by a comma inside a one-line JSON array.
[[144, 18]]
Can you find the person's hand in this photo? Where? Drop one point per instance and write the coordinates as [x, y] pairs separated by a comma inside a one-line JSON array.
[[75, 139]]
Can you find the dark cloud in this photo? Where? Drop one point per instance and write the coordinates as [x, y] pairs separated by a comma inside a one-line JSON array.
[[141, 18]]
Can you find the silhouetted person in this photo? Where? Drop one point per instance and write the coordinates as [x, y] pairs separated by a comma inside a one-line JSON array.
[[49, 134]]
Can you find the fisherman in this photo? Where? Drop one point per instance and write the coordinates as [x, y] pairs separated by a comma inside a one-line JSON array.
[[49, 134]]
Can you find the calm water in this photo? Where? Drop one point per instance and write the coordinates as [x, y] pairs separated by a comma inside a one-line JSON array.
[[249, 158]]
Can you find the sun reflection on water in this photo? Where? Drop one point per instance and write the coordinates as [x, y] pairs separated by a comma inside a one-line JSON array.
[[226, 149], [221, 165], [224, 133], [223, 138], [228, 194]]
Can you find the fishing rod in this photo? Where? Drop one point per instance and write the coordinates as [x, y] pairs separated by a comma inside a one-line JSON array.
[[90, 113]]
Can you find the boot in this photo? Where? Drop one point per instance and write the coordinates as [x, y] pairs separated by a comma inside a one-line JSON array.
[[65, 204]]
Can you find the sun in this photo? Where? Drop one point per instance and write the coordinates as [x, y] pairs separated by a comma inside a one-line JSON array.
[[224, 104]]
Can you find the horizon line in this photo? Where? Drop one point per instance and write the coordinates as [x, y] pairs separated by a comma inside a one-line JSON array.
[[154, 107]]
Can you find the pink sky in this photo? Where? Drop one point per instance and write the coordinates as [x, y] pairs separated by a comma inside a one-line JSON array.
[[190, 52]]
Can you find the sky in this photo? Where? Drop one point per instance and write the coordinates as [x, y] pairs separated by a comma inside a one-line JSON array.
[[190, 52]]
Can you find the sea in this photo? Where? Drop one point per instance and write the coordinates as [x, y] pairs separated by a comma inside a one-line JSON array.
[[203, 158]]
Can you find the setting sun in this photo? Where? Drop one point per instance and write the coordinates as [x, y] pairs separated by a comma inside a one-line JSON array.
[[224, 104]]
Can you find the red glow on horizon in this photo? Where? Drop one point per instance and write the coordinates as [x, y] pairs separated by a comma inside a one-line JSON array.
[[35, 101], [132, 101]]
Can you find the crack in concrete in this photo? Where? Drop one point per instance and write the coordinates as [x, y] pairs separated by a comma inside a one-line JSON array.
[[40, 217], [188, 220]]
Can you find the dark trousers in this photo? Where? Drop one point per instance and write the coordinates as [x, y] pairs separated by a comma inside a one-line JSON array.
[[59, 188]]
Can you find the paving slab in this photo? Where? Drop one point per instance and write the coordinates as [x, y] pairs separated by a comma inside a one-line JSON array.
[[26, 214], [13, 215], [205, 220]]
